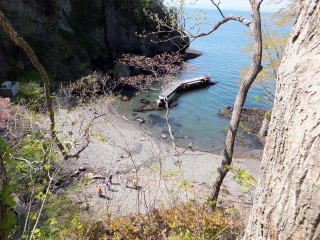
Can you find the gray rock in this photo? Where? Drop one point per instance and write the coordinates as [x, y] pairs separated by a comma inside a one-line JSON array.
[[82, 169], [84, 206], [163, 136], [98, 177], [192, 53], [124, 156], [140, 120]]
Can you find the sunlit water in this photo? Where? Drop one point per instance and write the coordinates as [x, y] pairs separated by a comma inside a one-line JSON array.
[[195, 119]]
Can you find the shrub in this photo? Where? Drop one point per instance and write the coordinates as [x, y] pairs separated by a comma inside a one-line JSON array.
[[31, 94], [186, 221]]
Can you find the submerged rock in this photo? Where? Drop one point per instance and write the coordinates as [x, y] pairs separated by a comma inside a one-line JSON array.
[[152, 106], [251, 120], [192, 53], [145, 101], [157, 120]]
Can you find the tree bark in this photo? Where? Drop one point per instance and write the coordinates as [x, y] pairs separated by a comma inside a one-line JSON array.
[[264, 128], [287, 205], [240, 99]]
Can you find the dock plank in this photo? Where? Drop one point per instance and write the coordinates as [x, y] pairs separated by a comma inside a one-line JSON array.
[[170, 89]]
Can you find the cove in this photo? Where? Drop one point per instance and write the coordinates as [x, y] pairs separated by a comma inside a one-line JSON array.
[[195, 119]]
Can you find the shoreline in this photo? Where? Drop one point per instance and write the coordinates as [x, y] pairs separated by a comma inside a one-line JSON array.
[[240, 151], [129, 152]]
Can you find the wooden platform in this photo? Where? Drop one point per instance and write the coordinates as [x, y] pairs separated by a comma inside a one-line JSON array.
[[181, 86]]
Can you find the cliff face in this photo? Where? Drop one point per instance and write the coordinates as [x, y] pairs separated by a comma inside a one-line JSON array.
[[71, 36]]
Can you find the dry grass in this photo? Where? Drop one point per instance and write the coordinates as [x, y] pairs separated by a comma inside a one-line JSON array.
[[185, 221]]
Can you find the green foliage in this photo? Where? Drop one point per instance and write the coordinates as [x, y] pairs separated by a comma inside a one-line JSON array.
[[267, 115], [58, 206], [29, 76], [287, 15], [7, 217], [258, 98], [243, 177], [31, 94], [274, 41], [138, 10]]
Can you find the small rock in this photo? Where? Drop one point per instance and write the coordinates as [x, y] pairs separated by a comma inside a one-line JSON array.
[[76, 173], [163, 136], [89, 175], [84, 206], [82, 169], [173, 104], [140, 120], [125, 99], [98, 177], [58, 183]]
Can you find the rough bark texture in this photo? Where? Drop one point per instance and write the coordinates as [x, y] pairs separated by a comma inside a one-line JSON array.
[[240, 99], [264, 128], [288, 194]]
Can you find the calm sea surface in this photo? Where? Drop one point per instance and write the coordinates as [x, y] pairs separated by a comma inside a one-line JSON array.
[[195, 119]]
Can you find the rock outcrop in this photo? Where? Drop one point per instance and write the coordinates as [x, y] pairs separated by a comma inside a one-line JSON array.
[[72, 36]]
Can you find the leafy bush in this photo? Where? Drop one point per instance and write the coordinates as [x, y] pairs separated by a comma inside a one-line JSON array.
[[31, 94]]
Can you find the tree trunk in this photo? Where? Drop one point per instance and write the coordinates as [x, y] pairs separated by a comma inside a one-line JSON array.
[[241, 97], [287, 205]]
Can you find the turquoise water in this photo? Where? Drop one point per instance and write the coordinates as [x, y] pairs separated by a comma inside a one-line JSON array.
[[195, 119]]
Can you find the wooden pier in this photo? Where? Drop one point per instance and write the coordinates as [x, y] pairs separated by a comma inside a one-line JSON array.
[[181, 86]]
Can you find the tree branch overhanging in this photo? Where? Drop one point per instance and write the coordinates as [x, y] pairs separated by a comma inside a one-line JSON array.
[[245, 85], [240, 19]]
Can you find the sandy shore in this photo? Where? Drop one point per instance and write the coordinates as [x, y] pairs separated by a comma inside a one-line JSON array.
[[167, 174]]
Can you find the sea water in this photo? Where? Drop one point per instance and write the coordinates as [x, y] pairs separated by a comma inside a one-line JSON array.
[[195, 119]]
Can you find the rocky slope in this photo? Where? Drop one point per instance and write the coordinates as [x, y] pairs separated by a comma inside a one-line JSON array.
[[72, 36]]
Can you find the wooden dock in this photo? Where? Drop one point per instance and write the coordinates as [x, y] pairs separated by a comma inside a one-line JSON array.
[[181, 86]]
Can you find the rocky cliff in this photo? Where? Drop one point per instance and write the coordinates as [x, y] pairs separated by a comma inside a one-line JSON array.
[[73, 36]]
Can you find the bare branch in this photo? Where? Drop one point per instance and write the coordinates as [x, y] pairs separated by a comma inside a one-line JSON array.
[[217, 6], [240, 19]]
